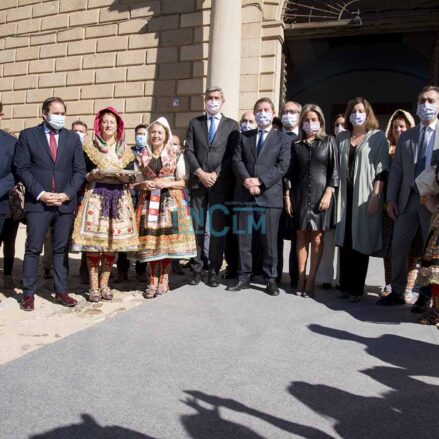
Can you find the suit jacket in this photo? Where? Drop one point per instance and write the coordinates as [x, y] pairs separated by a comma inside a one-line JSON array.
[[36, 168], [7, 180], [270, 167], [216, 157], [402, 171]]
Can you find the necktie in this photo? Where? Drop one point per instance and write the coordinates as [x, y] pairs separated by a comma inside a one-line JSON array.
[[260, 142], [211, 129], [422, 152], [53, 147]]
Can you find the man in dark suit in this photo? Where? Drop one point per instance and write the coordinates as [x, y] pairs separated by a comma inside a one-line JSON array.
[[260, 161], [417, 148], [7, 181], [50, 163], [210, 142], [290, 121]]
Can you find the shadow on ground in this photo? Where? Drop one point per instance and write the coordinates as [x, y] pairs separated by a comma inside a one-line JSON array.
[[208, 423], [90, 429], [407, 410]]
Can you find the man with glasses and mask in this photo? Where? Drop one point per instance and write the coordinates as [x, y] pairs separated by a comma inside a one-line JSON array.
[[290, 115], [50, 163]]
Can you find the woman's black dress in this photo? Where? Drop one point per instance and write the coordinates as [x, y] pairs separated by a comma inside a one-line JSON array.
[[314, 167]]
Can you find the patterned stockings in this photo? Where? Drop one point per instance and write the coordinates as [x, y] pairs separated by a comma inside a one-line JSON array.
[[107, 264], [159, 282], [93, 260]]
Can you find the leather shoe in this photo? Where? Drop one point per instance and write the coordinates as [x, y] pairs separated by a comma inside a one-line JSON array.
[[27, 304], [229, 274], [212, 279], [391, 299], [196, 279], [421, 305], [241, 285], [65, 300], [272, 288]]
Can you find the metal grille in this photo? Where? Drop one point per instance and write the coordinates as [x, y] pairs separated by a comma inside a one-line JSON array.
[[318, 11]]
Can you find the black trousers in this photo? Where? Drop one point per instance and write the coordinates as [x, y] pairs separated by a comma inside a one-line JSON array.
[[123, 264], [267, 221], [231, 246], [38, 224], [202, 202], [353, 270], [8, 236], [289, 232], [353, 264]]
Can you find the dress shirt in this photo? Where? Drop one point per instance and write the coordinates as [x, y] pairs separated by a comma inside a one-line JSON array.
[[290, 133], [264, 132], [429, 141], [47, 130], [216, 120]]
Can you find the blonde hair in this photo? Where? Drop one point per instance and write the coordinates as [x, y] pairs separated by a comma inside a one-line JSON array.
[[315, 109]]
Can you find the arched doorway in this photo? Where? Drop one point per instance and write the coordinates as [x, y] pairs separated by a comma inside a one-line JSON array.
[[383, 50]]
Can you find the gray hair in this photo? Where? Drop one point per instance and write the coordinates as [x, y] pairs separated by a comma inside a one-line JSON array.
[[292, 102], [214, 89]]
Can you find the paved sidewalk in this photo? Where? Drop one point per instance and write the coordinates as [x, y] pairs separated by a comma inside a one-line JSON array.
[[204, 363]]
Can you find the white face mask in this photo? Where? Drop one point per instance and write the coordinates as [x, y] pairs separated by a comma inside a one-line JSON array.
[[81, 136], [264, 118], [339, 129], [311, 127], [213, 107], [141, 140], [289, 120], [357, 119], [56, 121], [427, 112], [247, 126]]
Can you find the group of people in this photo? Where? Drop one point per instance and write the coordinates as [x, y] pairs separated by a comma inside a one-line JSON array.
[[232, 191]]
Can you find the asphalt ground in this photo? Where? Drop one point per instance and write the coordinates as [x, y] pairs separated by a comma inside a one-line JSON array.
[[205, 363]]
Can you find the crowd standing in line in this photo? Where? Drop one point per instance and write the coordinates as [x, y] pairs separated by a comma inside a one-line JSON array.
[[231, 193]]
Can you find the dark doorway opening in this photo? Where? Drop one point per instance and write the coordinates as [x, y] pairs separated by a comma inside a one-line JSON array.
[[388, 69]]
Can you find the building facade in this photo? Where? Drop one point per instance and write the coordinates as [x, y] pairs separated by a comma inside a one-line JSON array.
[[156, 57], [144, 57]]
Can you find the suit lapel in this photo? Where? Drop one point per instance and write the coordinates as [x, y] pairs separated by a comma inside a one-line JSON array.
[[204, 128], [414, 141], [265, 147], [219, 130], [252, 144], [61, 142], [43, 140]]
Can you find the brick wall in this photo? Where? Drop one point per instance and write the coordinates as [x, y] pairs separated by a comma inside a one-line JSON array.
[[136, 55]]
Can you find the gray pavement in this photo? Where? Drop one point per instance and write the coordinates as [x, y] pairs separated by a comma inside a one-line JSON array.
[[205, 363]]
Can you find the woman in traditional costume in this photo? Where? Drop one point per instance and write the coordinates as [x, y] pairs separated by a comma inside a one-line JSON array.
[[105, 223], [163, 217], [428, 276]]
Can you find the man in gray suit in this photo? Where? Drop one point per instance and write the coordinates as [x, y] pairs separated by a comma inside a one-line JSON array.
[[417, 149], [210, 141]]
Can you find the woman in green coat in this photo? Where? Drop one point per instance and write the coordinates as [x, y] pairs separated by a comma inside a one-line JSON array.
[[364, 164]]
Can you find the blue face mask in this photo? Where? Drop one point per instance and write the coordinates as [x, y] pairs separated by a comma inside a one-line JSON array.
[[140, 140], [357, 119], [427, 111], [264, 118]]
